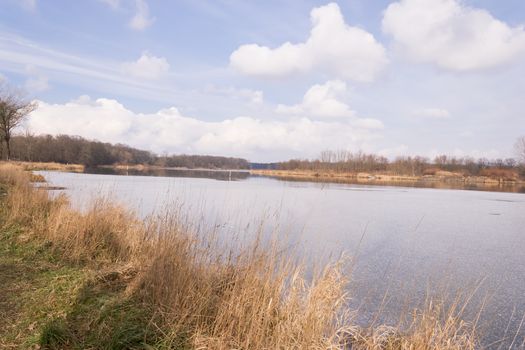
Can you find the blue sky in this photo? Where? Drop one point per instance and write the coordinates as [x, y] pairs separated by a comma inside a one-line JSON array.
[[270, 80]]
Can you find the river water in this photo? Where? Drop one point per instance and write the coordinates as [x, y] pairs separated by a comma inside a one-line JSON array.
[[408, 242]]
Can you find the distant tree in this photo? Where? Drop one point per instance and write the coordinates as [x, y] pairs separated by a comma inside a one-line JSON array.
[[520, 149], [14, 109]]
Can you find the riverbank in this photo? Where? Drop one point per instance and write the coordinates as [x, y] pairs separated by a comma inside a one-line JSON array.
[[79, 168], [36, 166], [104, 279], [441, 180]]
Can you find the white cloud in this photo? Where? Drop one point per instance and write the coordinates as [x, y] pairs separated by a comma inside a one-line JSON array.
[[16, 53], [321, 101], [333, 48], [324, 101], [147, 67], [142, 19], [451, 34], [169, 131], [432, 113]]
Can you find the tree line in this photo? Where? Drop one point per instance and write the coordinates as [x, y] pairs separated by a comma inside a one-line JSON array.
[[77, 150], [354, 162]]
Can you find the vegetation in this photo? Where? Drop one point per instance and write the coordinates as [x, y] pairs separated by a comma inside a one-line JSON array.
[[77, 150], [102, 279], [348, 162], [14, 109]]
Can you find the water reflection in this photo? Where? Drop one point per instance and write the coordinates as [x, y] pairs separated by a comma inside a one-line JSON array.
[[222, 175], [235, 175], [449, 185]]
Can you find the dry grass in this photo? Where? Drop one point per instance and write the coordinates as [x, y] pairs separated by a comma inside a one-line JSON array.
[[202, 297], [505, 174], [436, 326], [30, 166], [431, 177]]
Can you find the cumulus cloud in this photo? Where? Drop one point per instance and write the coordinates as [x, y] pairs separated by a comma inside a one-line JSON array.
[[147, 67], [451, 34], [432, 113], [142, 19], [321, 101], [169, 131], [333, 48], [324, 101]]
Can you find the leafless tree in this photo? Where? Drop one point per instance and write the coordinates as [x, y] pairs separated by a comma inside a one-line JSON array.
[[520, 149], [14, 109]]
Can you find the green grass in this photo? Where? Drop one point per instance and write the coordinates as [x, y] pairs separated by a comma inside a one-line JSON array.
[[52, 304], [34, 288]]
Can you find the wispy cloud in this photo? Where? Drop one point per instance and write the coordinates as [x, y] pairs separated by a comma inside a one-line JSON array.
[[126, 79], [142, 18], [17, 53]]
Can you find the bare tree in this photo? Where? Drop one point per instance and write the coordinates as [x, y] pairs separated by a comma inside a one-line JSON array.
[[520, 149], [14, 109]]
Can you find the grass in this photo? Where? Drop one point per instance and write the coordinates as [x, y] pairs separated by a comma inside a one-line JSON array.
[[103, 279], [33, 166]]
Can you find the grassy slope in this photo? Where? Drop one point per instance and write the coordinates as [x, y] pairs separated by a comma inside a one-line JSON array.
[[46, 302]]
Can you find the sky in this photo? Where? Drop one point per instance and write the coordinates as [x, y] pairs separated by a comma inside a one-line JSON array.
[[273, 80]]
